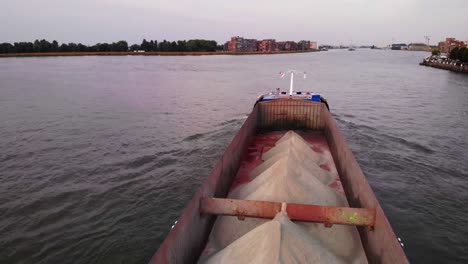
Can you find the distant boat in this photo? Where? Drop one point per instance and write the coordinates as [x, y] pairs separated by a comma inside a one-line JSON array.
[[351, 49]]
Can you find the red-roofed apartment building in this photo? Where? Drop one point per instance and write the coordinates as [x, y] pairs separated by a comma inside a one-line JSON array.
[[449, 44]]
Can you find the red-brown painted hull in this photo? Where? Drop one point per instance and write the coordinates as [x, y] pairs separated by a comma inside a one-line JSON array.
[[185, 242]]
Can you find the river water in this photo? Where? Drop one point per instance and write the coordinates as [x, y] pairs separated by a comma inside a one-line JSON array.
[[99, 155]]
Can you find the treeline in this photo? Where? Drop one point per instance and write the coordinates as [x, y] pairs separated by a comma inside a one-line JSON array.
[[192, 45], [459, 54], [39, 46]]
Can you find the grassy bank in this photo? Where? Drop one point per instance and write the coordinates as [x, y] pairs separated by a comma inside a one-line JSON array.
[[151, 53]]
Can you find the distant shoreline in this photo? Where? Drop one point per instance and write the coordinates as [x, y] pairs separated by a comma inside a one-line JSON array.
[[149, 53]]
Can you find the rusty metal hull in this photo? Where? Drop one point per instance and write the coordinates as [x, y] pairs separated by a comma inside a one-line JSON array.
[[185, 242]]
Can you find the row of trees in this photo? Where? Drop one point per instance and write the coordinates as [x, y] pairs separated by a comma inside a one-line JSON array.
[[459, 54], [119, 46], [46, 46], [181, 45]]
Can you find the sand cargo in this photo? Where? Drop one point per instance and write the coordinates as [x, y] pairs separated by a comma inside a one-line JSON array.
[[286, 190]]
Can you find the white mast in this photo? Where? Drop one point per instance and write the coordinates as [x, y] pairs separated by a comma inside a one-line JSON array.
[[292, 72], [292, 83]]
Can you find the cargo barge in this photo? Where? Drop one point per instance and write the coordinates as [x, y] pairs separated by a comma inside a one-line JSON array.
[[286, 190]]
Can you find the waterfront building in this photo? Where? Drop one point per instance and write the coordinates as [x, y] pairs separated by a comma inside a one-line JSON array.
[[303, 45], [235, 44], [449, 44], [239, 44], [400, 46], [250, 45], [419, 47], [279, 46], [290, 45], [266, 45], [313, 45]]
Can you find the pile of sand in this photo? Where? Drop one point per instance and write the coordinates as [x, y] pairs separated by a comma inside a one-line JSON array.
[[277, 241], [290, 173], [292, 141]]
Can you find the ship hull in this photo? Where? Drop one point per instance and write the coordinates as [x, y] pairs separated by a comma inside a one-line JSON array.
[[186, 241]]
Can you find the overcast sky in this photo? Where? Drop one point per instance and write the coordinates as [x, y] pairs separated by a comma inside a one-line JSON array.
[[326, 21]]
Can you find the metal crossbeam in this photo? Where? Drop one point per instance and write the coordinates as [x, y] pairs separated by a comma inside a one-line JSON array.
[[328, 215]]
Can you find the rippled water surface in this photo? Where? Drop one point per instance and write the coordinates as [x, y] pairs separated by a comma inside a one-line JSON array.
[[99, 155]]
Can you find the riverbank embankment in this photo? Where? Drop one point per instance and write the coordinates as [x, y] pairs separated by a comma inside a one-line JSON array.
[[450, 66], [150, 53]]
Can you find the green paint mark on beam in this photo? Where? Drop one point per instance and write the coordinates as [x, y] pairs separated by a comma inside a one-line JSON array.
[[353, 217]]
